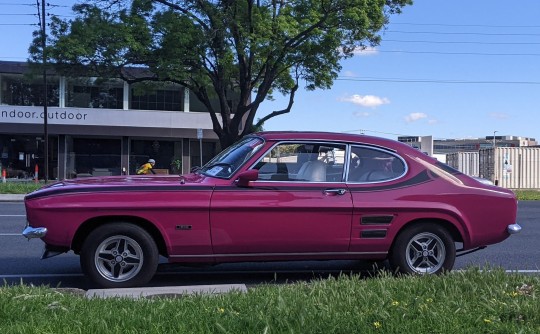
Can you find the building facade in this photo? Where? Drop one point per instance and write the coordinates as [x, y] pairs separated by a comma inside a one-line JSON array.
[[448, 146], [98, 126]]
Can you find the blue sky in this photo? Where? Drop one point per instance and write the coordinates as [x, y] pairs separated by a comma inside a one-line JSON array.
[[451, 69]]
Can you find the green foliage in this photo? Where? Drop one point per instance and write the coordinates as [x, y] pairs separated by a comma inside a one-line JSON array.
[[528, 195], [237, 50], [19, 187], [473, 301]]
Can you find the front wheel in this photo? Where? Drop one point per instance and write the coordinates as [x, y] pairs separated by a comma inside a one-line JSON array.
[[423, 249], [119, 255]]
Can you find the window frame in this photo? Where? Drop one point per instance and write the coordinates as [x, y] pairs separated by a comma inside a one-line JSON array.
[[379, 149], [311, 142]]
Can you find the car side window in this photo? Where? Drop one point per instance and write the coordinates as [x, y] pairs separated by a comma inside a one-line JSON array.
[[368, 165], [303, 162]]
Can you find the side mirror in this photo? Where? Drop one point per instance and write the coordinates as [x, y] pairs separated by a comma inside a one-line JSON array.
[[245, 177]]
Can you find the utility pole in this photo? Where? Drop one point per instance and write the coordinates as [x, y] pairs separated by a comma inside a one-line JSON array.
[[494, 132], [45, 98]]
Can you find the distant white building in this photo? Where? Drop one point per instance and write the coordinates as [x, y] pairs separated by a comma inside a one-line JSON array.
[[447, 146]]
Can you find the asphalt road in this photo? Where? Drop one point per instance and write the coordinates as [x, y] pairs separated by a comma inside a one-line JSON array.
[[20, 259]]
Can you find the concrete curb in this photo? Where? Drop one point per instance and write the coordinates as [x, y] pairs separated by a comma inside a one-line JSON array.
[[11, 197], [164, 292]]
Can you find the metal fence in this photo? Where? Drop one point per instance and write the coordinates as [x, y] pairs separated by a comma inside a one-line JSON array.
[[511, 167]]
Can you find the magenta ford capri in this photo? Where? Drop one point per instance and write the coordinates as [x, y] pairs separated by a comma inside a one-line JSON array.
[[276, 196]]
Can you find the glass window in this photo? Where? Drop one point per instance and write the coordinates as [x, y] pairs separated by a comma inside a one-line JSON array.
[[23, 90], [156, 96], [19, 155], [232, 158], [208, 152], [312, 162], [368, 164], [167, 154], [92, 157], [95, 93], [196, 105]]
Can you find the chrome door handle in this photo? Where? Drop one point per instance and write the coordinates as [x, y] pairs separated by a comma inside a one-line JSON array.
[[334, 191]]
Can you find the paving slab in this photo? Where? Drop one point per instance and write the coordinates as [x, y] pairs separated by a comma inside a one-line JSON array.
[[164, 292]]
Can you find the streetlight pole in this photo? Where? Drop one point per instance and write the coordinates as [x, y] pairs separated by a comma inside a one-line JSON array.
[[494, 132], [45, 98]]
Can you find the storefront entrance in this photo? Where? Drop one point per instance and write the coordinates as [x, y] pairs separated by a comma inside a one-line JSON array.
[[20, 154], [93, 157]]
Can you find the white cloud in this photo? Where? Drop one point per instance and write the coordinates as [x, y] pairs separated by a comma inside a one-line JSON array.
[[433, 121], [370, 101], [415, 116], [365, 51]]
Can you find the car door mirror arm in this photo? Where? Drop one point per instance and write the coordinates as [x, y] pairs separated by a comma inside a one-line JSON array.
[[246, 177]]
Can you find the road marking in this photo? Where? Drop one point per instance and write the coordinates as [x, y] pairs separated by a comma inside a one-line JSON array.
[[12, 215]]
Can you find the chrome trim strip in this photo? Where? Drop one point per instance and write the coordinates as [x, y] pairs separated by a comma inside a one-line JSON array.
[[513, 228], [34, 232], [279, 254]]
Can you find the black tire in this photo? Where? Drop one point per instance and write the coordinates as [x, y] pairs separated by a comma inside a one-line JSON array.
[[423, 249], [119, 255]]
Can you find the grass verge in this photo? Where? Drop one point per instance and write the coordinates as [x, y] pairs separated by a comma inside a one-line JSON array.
[[461, 302], [27, 187], [19, 187], [527, 195]]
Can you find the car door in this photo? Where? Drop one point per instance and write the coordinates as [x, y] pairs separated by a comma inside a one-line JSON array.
[[375, 179], [299, 206]]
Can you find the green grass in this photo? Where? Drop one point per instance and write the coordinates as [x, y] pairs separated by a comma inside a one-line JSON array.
[[460, 302], [26, 187], [527, 195], [19, 187]]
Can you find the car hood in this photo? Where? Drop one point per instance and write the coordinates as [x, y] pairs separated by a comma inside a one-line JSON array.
[[107, 183]]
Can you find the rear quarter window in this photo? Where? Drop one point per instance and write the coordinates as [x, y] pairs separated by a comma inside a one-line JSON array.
[[369, 164]]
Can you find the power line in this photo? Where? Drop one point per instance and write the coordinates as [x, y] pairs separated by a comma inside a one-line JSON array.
[[462, 53], [361, 131], [438, 81], [465, 25], [460, 42], [16, 4], [19, 24], [462, 33]]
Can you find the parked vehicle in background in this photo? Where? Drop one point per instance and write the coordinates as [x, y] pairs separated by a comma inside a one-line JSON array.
[[276, 196]]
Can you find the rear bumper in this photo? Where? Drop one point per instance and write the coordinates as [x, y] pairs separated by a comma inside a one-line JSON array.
[[513, 228]]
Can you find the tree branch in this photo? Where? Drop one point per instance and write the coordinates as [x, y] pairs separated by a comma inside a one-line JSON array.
[[278, 112]]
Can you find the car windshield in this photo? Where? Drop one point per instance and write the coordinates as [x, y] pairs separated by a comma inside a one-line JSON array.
[[229, 160]]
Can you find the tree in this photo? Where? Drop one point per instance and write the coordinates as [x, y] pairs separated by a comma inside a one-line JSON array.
[[236, 52]]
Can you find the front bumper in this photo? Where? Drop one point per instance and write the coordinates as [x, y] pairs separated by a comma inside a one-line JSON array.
[[34, 232], [513, 228]]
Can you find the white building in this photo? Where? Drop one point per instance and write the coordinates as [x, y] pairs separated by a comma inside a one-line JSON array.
[[97, 127]]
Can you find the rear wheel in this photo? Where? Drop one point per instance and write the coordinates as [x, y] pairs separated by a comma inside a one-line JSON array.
[[423, 249], [119, 255]]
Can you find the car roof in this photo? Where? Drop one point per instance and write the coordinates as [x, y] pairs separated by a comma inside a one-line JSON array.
[[331, 136]]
